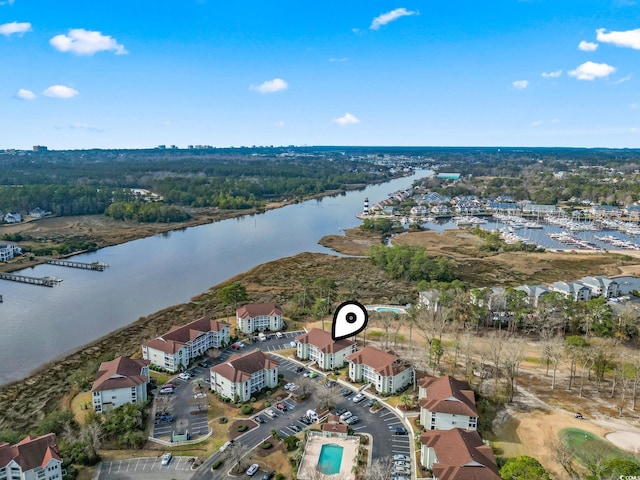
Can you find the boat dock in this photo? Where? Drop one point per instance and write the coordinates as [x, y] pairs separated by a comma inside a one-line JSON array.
[[98, 266], [43, 281]]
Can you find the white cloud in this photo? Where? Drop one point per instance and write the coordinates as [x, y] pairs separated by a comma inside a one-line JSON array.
[[587, 46], [390, 17], [555, 74], [334, 59], [24, 94], [279, 123], [60, 91], [520, 84], [346, 119], [591, 71], [84, 126], [271, 86], [20, 28], [86, 42], [628, 38], [626, 78]]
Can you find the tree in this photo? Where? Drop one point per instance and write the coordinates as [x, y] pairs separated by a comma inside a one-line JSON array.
[[523, 468], [237, 455], [564, 455], [233, 294], [513, 355], [380, 469]]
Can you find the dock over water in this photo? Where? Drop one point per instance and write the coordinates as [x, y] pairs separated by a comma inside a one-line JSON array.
[[98, 266], [43, 281]]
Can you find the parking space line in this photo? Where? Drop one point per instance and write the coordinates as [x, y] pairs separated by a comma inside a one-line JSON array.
[[110, 463]]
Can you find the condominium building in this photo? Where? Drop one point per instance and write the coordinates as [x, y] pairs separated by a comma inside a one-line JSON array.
[[319, 346], [387, 372], [258, 317], [120, 381], [447, 403], [34, 458], [176, 348], [242, 375]]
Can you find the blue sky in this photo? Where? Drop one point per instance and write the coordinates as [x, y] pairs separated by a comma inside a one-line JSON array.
[[123, 74]]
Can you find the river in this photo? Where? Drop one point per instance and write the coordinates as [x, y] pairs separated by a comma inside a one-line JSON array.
[[40, 324]]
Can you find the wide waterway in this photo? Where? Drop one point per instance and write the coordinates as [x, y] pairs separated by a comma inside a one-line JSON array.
[[39, 324]]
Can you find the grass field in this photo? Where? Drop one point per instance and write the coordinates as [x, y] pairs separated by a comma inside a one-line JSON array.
[[588, 446]]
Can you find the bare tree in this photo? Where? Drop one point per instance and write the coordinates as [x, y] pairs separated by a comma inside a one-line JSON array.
[[431, 323], [564, 455], [386, 319], [399, 322], [327, 397], [380, 469], [237, 455], [305, 384], [513, 354], [314, 474], [494, 349]]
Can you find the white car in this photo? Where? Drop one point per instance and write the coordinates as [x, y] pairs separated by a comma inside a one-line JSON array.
[[401, 458], [271, 412], [166, 458], [345, 415], [225, 446], [289, 386], [358, 398], [251, 471], [184, 376]]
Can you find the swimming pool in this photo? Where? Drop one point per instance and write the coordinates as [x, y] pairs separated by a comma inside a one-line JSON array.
[[330, 459]]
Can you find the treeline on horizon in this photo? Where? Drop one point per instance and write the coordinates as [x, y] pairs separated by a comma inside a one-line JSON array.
[[93, 182]]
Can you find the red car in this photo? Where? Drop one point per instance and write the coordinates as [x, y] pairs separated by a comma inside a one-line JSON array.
[[282, 407]]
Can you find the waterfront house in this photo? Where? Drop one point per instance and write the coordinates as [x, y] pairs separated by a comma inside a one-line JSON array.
[[457, 454], [606, 211], [34, 458], [178, 346], [8, 250], [442, 210], [120, 381], [601, 286], [259, 317], [242, 375], [319, 346], [38, 213], [632, 211], [575, 290], [12, 217], [535, 209], [534, 293], [447, 403], [387, 372]]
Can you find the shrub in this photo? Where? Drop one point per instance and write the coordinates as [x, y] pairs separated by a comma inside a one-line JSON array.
[[246, 409], [291, 443], [216, 464], [266, 445], [279, 476], [241, 428], [252, 399], [267, 404], [268, 393], [223, 420]]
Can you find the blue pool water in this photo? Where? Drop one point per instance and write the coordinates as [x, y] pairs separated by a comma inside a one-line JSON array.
[[389, 309], [330, 459]]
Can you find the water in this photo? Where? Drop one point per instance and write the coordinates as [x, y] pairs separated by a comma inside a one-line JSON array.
[[330, 459], [40, 324]]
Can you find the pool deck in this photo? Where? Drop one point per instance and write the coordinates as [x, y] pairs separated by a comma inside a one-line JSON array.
[[312, 455], [387, 308]]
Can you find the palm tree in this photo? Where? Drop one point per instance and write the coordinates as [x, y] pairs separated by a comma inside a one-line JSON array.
[[406, 401]]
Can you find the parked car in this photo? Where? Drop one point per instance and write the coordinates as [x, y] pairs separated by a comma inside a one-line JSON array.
[[271, 412], [306, 420], [251, 471], [358, 398], [371, 402], [268, 475], [340, 411], [225, 445], [330, 384], [313, 375], [184, 376], [278, 334], [300, 369], [289, 386], [166, 390], [401, 458], [166, 458], [259, 419], [402, 470], [352, 420], [400, 431], [345, 392], [401, 464], [345, 415], [282, 407], [166, 418], [295, 428]]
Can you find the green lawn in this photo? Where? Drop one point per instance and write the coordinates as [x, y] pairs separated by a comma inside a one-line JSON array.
[[588, 446]]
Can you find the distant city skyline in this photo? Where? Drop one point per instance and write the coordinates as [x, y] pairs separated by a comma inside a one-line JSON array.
[[531, 73]]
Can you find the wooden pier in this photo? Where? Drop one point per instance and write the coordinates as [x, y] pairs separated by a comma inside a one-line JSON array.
[[43, 281], [98, 266]]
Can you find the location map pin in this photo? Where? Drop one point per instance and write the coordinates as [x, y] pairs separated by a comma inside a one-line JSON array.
[[349, 319]]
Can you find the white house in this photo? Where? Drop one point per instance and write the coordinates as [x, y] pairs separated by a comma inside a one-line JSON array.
[[176, 348], [242, 375], [575, 290], [387, 372], [120, 381], [258, 317], [318, 345], [447, 403], [12, 217], [8, 250], [38, 213], [457, 454], [601, 286], [34, 458]]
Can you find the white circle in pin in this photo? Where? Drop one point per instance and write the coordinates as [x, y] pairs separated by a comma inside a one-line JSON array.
[[349, 319]]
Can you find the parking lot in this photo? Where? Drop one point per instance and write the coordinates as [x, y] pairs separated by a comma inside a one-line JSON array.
[[148, 467]]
